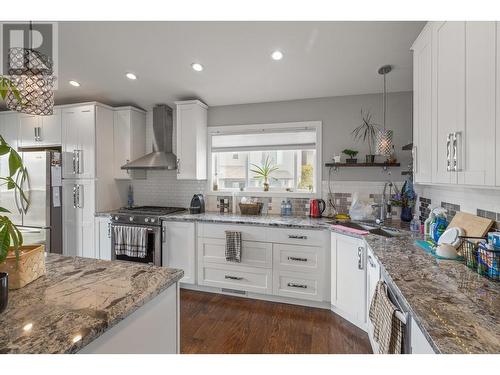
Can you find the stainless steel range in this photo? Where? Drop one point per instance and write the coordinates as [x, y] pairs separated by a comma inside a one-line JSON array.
[[144, 217]]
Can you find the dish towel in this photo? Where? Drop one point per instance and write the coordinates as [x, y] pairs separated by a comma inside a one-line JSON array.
[[233, 246], [388, 329], [130, 241]]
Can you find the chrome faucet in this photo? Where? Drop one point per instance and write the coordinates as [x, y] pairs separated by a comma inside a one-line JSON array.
[[385, 205]]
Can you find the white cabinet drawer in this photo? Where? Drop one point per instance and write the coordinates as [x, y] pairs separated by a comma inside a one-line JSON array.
[[298, 285], [250, 279], [248, 232], [297, 236], [299, 258], [253, 254]]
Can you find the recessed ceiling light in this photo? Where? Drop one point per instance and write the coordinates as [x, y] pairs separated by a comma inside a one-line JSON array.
[[277, 55], [74, 83], [131, 76], [197, 66]]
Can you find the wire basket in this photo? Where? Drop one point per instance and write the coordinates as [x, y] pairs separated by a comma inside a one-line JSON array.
[[251, 208], [468, 249], [488, 262]]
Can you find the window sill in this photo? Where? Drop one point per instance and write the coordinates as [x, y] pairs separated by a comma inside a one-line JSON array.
[[280, 194]]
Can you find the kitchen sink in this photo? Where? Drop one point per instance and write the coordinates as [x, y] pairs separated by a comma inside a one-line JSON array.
[[373, 229]]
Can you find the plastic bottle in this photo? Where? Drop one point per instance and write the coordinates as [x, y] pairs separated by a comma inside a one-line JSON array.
[[288, 207], [439, 227], [427, 224], [283, 208], [415, 224]]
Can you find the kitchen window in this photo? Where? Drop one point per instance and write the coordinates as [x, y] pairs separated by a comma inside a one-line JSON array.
[[291, 150]]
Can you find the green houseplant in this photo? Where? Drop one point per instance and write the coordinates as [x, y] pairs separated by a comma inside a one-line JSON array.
[[263, 172], [367, 132], [352, 155]]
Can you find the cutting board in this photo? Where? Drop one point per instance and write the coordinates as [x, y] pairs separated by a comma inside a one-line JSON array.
[[473, 225]]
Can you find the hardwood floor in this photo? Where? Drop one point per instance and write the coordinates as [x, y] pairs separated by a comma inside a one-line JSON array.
[[216, 323]]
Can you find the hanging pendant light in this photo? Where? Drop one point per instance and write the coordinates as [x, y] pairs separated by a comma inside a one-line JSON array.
[[32, 74], [384, 136]]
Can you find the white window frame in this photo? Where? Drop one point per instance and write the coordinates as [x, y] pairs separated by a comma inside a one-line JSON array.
[[253, 128]]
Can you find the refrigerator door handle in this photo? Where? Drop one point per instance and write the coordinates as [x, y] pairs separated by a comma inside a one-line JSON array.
[[25, 179], [16, 198], [74, 196], [79, 196]]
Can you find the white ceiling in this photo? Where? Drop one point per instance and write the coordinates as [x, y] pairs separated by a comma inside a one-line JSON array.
[[320, 59]]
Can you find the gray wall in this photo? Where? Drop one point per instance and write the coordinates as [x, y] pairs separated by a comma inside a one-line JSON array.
[[340, 115]]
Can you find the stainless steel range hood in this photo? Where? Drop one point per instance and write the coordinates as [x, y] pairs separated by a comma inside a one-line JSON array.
[[162, 156]]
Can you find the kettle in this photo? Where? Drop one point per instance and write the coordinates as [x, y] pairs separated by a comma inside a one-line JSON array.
[[316, 207], [197, 205]]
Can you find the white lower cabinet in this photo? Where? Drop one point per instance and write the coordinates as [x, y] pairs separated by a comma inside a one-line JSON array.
[[348, 274], [102, 237], [249, 279], [372, 278], [179, 248]]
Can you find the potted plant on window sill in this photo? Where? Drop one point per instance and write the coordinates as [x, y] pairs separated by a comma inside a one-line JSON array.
[[352, 156], [263, 172], [367, 132]]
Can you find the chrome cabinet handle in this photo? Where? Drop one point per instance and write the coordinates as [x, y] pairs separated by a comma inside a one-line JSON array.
[[360, 258], [178, 166], [298, 259], [448, 152], [370, 260], [294, 285], [74, 196], [74, 161], [79, 161], [415, 160], [126, 162], [79, 196], [296, 237], [39, 134], [36, 133], [109, 230], [229, 277], [456, 154]]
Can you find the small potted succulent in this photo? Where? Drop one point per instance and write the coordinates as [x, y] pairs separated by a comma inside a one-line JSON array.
[[352, 156]]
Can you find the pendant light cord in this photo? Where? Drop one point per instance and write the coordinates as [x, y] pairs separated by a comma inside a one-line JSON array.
[[385, 99]]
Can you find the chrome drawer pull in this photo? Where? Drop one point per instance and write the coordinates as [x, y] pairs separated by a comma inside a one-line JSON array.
[[233, 277], [298, 259], [370, 260], [295, 237], [293, 285]]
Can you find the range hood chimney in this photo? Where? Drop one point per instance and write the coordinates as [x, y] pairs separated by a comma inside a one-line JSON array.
[[162, 156]]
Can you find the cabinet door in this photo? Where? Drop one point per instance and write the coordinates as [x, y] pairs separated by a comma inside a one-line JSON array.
[[86, 139], [69, 142], [422, 106], [178, 250], [86, 203], [50, 132], [72, 220], [29, 128], [122, 141], [475, 143], [350, 273], [448, 111], [103, 237]]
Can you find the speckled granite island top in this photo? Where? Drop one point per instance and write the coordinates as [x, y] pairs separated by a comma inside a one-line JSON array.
[[77, 301], [456, 308]]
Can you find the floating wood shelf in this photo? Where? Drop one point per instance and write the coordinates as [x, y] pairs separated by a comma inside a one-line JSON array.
[[359, 165], [407, 147]]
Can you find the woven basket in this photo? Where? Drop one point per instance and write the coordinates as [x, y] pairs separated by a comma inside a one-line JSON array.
[[251, 208], [31, 265]]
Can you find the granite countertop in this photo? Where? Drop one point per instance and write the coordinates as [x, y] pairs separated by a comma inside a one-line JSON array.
[[77, 301], [455, 307], [265, 220]]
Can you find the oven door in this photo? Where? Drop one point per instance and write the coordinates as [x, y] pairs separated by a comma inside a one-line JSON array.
[[153, 246]]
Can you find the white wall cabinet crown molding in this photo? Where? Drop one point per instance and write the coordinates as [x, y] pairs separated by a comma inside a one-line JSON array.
[[191, 140]]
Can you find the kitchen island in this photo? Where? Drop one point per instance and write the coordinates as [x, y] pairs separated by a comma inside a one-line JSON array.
[[94, 306]]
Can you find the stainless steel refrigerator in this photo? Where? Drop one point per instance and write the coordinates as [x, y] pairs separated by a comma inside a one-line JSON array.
[[40, 221]]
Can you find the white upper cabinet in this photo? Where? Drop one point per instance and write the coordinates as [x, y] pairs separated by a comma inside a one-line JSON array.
[[36, 131], [448, 112], [191, 132], [78, 141], [475, 142], [422, 106], [129, 136]]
